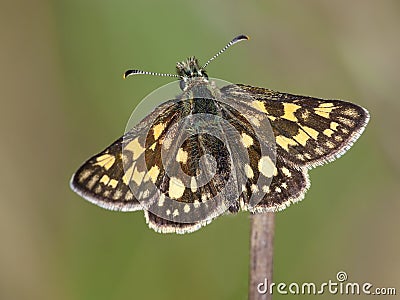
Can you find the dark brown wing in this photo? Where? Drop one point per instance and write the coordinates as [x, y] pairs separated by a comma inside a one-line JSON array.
[[308, 131]]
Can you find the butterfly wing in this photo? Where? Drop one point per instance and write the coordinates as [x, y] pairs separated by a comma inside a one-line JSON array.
[[131, 173], [100, 179], [308, 132]]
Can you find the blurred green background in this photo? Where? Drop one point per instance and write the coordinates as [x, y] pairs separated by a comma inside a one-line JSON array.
[[63, 100]]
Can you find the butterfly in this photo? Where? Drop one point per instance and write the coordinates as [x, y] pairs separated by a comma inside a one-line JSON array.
[[212, 150]]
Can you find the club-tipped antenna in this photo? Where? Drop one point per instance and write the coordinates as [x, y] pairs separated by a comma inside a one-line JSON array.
[[140, 72], [237, 39]]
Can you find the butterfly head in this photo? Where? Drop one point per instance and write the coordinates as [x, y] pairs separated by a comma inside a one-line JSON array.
[[190, 70]]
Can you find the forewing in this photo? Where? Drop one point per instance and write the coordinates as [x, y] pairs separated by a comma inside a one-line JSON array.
[[131, 175], [308, 131], [102, 179], [98, 180]]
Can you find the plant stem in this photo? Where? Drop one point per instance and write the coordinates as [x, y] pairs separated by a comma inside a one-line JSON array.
[[261, 254]]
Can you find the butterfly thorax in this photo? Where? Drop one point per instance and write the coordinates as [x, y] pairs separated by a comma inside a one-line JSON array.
[[200, 96]]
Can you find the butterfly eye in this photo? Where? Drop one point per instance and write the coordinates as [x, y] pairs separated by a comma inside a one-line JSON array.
[[182, 84]]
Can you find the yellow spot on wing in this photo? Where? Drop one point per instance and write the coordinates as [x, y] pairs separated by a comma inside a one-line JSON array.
[[92, 181], [249, 171], [135, 147], [289, 109], [272, 118], [113, 183], [85, 174], [106, 161], [253, 120], [161, 200], [186, 208], [350, 112], [328, 132], [128, 195], [137, 176], [153, 147], [330, 144], [338, 138], [334, 125], [284, 142], [304, 135], [146, 194], [259, 106], [128, 174], [305, 114], [158, 129], [152, 174], [117, 194], [301, 137], [176, 188], [97, 189], [319, 150], [247, 140], [328, 104], [105, 179], [323, 111], [166, 142], [254, 188], [286, 172], [181, 156], [310, 131], [346, 121], [193, 184], [266, 166]]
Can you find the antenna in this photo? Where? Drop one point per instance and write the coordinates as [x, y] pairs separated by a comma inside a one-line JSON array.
[[139, 72], [237, 39]]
